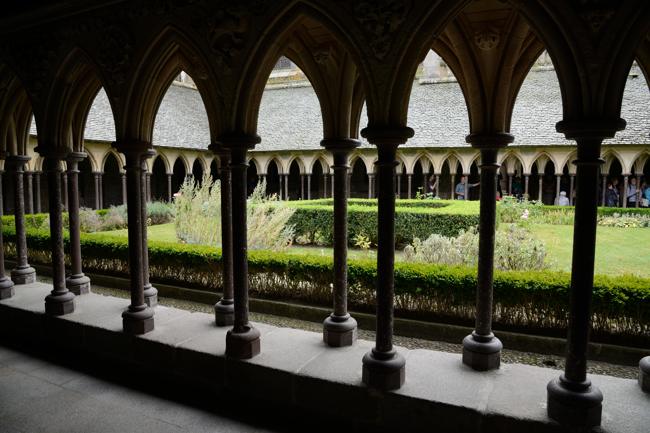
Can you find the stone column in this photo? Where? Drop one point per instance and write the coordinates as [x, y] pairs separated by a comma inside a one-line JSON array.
[[371, 177], [558, 179], [309, 187], [243, 340], [286, 187], [539, 187], [332, 184], [398, 189], [101, 190], [437, 185], [76, 282], [147, 177], [510, 184], [224, 310], [572, 400], [604, 190], [526, 179], [29, 195], [340, 329], [60, 301], [409, 178], [150, 292], [64, 190], [325, 185], [97, 190], [138, 318], [466, 186], [626, 179], [124, 189], [453, 186], [383, 367], [169, 187], [22, 273], [280, 187], [37, 191], [572, 180], [302, 186], [6, 285], [481, 349]]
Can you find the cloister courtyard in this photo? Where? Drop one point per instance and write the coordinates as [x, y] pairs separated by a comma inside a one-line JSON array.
[[309, 215]]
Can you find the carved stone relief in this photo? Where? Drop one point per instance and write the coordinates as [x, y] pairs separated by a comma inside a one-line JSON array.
[[380, 20]]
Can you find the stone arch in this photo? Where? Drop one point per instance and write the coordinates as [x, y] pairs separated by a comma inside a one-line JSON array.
[[180, 170], [182, 159], [169, 52], [298, 160], [111, 153], [198, 170], [252, 161], [164, 160], [316, 55], [111, 168], [159, 185], [15, 114], [358, 178], [611, 155], [273, 172]]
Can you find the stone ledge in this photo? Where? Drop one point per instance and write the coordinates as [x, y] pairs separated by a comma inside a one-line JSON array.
[[296, 370]]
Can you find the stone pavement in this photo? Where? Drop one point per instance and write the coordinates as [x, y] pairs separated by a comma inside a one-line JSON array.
[[295, 373], [41, 396]]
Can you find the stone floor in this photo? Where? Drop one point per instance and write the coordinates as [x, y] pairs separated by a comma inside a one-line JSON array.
[[38, 395], [295, 372]]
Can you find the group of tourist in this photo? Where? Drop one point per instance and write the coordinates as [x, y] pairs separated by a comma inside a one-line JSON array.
[[635, 196]]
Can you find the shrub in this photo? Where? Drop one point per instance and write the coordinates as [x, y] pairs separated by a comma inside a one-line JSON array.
[[114, 218], [89, 220], [160, 212], [198, 216], [515, 249], [625, 220]]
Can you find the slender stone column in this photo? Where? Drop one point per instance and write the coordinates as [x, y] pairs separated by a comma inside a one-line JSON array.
[[453, 186], [147, 177], [371, 177], [101, 190], [325, 185], [77, 282], [224, 310], [302, 186], [572, 400], [150, 292], [60, 301], [22, 273], [97, 190], [280, 187], [572, 180], [64, 190], [340, 329], [169, 187], [243, 340], [437, 185], [37, 191], [558, 179], [124, 189], [466, 182], [539, 187], [510, 183], [309, 187], [286, 187], [481, 349], [409, 179], [29, 195], [383, 367], [332, 184], [138, 318], [6, 285], [526, 179], [398, 190], [604, 190], [626, 179]]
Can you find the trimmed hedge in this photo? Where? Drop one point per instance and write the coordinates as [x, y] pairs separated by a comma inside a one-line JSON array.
[[314, 219], [528, 301]]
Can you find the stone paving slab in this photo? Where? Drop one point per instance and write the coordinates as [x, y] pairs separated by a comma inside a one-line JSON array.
[[296, 369]]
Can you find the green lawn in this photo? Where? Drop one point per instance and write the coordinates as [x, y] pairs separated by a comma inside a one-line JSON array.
[[618, 250]]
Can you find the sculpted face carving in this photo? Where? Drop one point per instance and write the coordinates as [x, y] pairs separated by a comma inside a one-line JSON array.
[[380, 19], [487, 39]]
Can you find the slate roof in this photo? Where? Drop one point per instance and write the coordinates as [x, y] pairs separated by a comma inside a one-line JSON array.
[[290, 118]]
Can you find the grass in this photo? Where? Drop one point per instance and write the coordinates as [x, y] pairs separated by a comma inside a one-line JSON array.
[[618, 250]]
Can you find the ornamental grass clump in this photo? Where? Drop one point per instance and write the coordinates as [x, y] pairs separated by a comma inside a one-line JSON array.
[[198, 216], [516, 249]]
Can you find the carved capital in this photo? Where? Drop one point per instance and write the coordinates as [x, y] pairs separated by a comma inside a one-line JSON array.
[[487, 39], [380, 20]]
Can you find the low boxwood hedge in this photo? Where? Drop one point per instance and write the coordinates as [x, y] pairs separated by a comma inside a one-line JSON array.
[[529, 301]]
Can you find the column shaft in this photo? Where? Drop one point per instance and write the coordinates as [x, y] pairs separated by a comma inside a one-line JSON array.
[[101, 190], [572, 181], [169, 187], [64, 189], [224, 309], [77, 282], [509, 184], [286, 187], [60, 301], [453, 186], [540, 187], [437, 185], [625, 189], [37, 191], [558, 179], [124, 189], [409, 179], [150, 292], [97, 191], [29, 195], [22, 273], [6, 285], [309, 187], [526, 179]]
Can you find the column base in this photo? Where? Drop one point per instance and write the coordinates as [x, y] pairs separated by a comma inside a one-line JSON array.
[[6, 288], [644, 374], [137, 321], [576, 405], [243, 345], [59, 304], [224, 312], [24, 275], [78, 284], [150, 295], [384, 370], [339, 331], [482, 353]]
